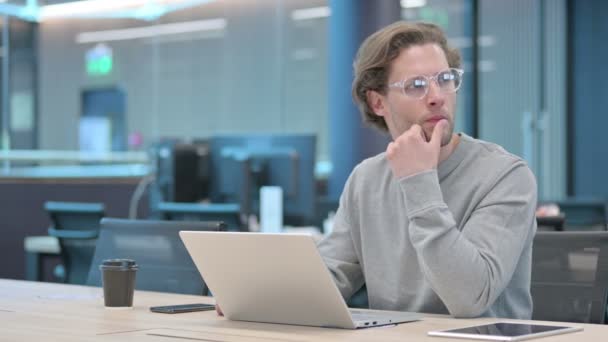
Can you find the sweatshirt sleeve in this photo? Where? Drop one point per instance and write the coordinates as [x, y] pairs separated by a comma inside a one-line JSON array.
[[469, 269], [338, 249]]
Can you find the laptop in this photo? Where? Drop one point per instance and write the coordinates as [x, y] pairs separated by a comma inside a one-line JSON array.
[[276, 278]]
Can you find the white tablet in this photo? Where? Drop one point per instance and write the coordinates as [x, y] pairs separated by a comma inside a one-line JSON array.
[[503, 331]]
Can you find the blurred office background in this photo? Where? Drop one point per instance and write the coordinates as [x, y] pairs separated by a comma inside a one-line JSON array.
[[97, 91]]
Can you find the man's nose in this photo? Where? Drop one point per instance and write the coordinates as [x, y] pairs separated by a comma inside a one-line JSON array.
[[435, 97]]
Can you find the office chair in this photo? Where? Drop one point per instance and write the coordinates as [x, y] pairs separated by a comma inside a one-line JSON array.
[[229, 213], [76, 226], [570, 276], [164, 263], [551, 223]]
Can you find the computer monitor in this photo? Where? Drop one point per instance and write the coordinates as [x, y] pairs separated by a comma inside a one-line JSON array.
[[182, 171], [241, 164], [229, 213]]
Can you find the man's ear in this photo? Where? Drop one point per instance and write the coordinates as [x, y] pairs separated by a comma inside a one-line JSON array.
[[375, 101]]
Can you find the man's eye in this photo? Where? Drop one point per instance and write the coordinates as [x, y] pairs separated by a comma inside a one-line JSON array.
[[446, 76], [416, 83]]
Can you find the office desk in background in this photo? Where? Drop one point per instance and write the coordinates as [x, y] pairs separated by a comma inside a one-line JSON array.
[[33, 311], [23, 211]]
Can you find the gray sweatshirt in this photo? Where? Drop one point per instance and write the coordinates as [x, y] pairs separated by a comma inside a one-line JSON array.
[[454, 240]]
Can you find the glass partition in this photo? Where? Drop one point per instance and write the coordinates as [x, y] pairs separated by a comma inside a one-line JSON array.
[[123, 79]]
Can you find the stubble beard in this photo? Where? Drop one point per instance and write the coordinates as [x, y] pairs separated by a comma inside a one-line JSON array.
[[447, 135], [445, 139]]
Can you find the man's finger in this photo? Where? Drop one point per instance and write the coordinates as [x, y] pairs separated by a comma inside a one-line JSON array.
[[438, 132], [417, 131]]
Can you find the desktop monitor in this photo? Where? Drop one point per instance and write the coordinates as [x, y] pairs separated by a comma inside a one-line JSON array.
[[242, 164], [182, 171], [229, 213]]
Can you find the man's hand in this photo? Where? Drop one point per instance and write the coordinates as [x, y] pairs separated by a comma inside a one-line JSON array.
[[410, 153]]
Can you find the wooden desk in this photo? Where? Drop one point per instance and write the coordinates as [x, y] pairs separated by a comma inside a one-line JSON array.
[[33, 311]]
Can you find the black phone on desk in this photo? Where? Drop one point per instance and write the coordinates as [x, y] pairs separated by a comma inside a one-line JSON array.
[[173, 309]]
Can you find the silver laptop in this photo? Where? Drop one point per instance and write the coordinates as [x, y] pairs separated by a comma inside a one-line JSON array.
[[276, 278]]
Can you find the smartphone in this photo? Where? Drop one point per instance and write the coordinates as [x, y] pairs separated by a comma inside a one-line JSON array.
[[173, 309]]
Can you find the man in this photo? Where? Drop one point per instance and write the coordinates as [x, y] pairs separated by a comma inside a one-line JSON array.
[[440, 222]]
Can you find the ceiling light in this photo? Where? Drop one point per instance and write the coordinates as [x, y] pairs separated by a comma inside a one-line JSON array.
[[151, 31], [311, 13], [413, 3], [99, 8]]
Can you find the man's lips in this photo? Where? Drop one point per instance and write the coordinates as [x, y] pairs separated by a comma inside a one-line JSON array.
[[435, 119]]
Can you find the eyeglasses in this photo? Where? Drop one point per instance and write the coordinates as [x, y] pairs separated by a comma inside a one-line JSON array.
[[418, 86]]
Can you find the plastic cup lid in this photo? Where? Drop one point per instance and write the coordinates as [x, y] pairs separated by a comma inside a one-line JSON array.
[[119, 263]]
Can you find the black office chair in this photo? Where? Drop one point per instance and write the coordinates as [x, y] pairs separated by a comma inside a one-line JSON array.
[[551, 223], [164, 263], [76, 226], [570, 276], [229, 213]]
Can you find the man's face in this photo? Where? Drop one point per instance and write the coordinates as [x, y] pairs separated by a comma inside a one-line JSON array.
[[401, 111]]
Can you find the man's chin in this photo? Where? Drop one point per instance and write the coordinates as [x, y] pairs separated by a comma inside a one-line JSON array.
[[446, 139]]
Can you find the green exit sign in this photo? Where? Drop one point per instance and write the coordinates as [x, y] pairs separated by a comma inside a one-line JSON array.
[[99, 60], [100, 66]]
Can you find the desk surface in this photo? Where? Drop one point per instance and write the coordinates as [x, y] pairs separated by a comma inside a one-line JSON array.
[[31, 311]]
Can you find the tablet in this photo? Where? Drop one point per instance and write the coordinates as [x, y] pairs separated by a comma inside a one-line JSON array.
[[503, 331]]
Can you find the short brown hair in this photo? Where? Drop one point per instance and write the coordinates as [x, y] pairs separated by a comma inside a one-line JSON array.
[[372, 63]]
